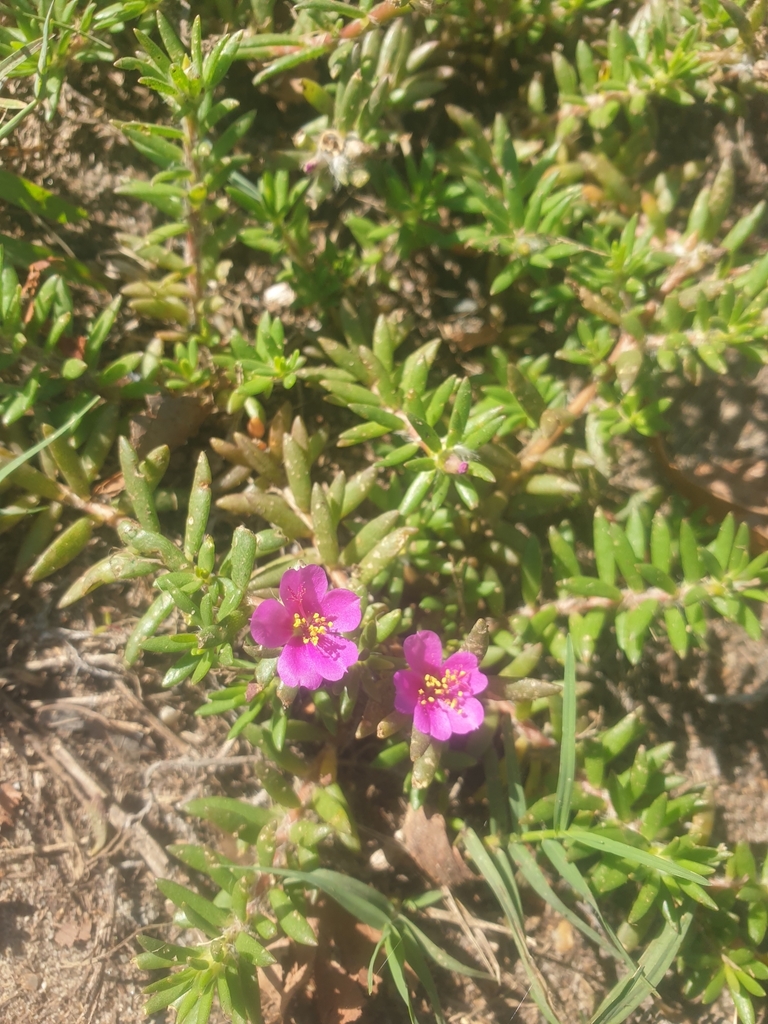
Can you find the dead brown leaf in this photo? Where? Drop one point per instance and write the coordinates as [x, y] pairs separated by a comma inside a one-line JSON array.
[[110, 488], [10, 798], [469, 332], [426, 840], [31, 284], [71, 932], [563, 938], [74, 347], [169, 419]]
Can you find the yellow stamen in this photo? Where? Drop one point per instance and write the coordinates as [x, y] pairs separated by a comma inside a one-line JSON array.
[[447, 691], [313, 628]]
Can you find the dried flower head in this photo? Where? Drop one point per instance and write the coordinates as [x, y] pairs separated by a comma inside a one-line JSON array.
[[308, 622], [342, 155], [439, 694], [455, 464], [455, 460]]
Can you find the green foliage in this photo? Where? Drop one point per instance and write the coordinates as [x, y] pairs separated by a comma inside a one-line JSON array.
[[42, 41], [193, 170], [718, 576], [446, 477]]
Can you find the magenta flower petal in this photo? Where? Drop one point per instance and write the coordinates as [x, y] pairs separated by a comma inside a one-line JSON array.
[[342, 607], [296, 668], [271, 624], [424, 651], [439, 694], [463, 661], [406, 690], [422, 720], [332, 656], [439, 724], [469, 718], [303, 588]]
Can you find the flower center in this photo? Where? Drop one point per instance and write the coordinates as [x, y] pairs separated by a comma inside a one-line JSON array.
[[312, 628], [448, 691]]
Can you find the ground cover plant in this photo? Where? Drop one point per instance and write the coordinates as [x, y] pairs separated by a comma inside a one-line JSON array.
[[387, 519]]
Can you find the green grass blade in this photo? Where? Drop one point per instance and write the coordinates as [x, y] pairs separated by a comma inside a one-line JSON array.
[[517, 804], [393, 944], [11, 125], [509, 904], [414, 957], [38, 200], [12, 61], [498, 805], [30, 453], [568, 743], [42, 60], [361, 900], [537, 880], [441, 958], [571, 874], [629, 993], [635, 855], [372, 961]]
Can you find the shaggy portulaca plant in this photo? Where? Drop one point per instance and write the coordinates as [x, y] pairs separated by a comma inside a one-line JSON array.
[[591, 274]]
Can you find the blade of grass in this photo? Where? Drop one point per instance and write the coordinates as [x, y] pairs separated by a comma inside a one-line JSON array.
[[517, 804], [17, 118], [30, 453], [537, 880], [42, 60], [37, 200], [629, 993], [567, 744], [361, 900], [414, 957], [372, 962], [504, 867], [393, 944], [571, 874], [509, 902], [497, 804], [633, 854], [7, 64], [441, 958]]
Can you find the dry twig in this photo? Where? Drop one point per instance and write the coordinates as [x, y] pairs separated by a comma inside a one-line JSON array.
[[103, 936]]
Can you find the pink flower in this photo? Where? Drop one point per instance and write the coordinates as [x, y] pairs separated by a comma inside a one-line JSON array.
[[307, 623], [439, 695]]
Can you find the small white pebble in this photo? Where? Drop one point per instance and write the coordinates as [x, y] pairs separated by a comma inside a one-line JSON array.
[[278, 296], [729, 410], [168, 715], [378, 861]]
